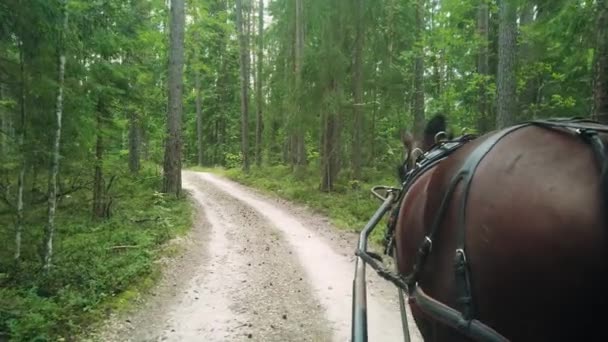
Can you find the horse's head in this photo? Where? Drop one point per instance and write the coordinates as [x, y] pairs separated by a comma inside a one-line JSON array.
[[434, 132]]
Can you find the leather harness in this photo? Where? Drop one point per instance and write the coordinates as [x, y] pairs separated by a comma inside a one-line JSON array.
[[586, 129]]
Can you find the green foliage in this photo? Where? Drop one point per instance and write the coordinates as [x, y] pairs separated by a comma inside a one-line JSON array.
[[116, 54], [116, 76], [97, 263], [212, 52]]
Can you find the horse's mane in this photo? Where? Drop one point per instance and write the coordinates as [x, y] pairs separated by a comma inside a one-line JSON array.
[[435, 125]]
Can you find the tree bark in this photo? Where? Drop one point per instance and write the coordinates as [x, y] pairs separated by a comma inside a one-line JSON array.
[[3, 127], [600, 86], [483, 64], [260, 101], [244, 85], [54, 169], [418, 105], [4, 147], [298, 147], [199, 118], [358, 90], [372, 149], [173, 147], [330, 142], [98, 186], [391, 31], [223, 95], [21, 142], [134, 143], [507, 54]]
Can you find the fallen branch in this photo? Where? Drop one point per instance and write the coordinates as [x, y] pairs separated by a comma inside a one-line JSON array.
[[155, 219], [45, 198], [122, 247]]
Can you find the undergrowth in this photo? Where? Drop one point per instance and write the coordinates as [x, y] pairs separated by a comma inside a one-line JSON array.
[[349, 206], [98, 266]]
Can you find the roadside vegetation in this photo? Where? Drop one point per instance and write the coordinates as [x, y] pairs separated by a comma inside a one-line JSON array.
[[100, 265]]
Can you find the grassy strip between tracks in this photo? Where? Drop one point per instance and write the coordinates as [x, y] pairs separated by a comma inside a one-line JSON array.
[[99, 266]]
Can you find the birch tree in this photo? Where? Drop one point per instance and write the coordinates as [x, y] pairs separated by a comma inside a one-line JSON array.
[[54, 169]]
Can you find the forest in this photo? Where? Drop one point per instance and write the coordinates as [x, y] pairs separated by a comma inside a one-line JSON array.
[[103, 102]]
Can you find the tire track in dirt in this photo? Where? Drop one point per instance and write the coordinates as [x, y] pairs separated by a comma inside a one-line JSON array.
[[329, 272]]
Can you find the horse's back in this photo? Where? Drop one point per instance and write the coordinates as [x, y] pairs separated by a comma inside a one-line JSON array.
[[536, 237]]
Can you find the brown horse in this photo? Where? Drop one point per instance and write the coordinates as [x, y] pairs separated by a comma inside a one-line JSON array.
[[525, 223]]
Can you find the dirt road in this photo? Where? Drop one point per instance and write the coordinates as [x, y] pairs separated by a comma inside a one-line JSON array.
[[257, 269]]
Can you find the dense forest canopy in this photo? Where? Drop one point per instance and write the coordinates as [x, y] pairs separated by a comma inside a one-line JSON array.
[[100, 97]]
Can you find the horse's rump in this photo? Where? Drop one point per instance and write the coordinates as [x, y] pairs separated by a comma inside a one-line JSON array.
[[536, 238]]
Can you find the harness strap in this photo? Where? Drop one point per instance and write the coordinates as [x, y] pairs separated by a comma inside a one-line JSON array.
[[601, 155], [579, 125], [425, 162], [589, 131], [461, 265], [466, 173], [463, 318]]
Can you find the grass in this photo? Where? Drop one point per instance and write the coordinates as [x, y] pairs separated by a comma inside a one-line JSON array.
[[99, 266], [349, 207]]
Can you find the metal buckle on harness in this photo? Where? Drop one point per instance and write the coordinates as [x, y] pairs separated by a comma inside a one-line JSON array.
[[427, 246], [423, 251], [463, 256]]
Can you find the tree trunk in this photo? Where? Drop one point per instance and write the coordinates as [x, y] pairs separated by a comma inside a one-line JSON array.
[[274, 150], [144, 143], [4, 147], [298, 147], [219, 155], [358, 90], [372, 149], [437, 58], [483, 65], [259, 123], [244, 85], [507, 54], [600, 86], [54, 169], [199, 118], [134, 143], [98, 186], [527, 56], [330, 143], [21, 142], [419, 73], [3, 127], [391, 31], [173, 147]]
